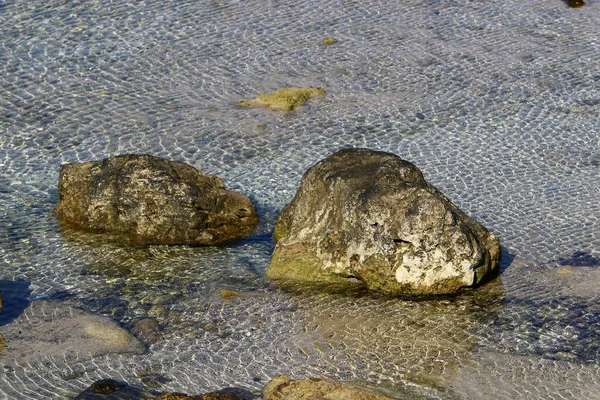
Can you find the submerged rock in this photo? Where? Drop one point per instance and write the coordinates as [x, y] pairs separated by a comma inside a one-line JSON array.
[[575, 3], [329, 41], [282, 387], [147, 330], [107, 386], [143, 199], [371, 216], [206, 396], [109, 389], [285, 99], [53, 330]]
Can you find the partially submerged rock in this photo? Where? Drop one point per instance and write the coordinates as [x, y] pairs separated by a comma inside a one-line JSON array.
[[285, 99], [143, 199], [110, 389], [282, 387], [371, 216]]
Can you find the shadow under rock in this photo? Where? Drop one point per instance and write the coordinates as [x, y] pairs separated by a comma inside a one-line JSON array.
[[506, 259], [16, 295]]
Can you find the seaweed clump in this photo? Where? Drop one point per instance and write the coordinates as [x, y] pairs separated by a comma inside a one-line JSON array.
[[284, 99]]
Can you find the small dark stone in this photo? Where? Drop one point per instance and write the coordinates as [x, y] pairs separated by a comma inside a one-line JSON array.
[[107, 386], [580, 259], [575, 3], [147, 330], [420, 116]]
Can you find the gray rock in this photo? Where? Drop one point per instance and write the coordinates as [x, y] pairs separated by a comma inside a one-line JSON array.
[[148, 200], [372, 216], [282, 387]]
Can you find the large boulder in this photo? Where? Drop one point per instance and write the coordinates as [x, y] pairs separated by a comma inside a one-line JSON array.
[[150, 200], [371, 216]]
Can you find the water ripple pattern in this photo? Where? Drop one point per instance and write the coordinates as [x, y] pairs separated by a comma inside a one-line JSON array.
[[498, 103]]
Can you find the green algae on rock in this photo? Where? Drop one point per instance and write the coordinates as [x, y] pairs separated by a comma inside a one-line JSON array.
[[284, 99], [329, 41]]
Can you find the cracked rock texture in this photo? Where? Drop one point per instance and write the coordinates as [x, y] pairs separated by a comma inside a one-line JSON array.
[[149, 200], [371, 216]]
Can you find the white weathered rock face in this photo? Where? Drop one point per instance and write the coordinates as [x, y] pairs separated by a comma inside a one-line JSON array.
[[372, 216]]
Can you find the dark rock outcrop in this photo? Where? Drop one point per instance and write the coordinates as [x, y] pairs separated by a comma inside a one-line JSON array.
[[282, 387], [143, 199], [371, 216]]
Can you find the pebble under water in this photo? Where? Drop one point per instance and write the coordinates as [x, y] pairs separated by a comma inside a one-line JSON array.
[[498, 103]]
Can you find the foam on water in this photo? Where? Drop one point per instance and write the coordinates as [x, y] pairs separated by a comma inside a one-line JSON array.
[[496, 102]]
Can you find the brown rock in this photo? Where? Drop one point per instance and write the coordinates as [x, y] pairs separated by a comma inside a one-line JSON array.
[[143, 199], [147, 330], [282, 387], [106, 386]]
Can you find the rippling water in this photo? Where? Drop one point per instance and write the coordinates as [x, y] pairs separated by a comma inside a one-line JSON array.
[[497, 103]]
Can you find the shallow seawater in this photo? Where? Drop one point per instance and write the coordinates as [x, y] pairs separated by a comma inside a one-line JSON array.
[[498, 103]]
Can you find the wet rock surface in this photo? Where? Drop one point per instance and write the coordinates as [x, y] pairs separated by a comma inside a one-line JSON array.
[[149, 200], [372, 216]]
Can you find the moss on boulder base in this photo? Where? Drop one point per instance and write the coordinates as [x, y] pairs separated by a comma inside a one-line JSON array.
[[284, 99]]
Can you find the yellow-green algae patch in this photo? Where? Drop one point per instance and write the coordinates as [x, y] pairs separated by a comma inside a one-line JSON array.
[[284, 99], [329, 40]]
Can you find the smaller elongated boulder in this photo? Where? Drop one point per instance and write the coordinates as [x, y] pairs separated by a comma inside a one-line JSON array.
[[149, 200], [371, 216]]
